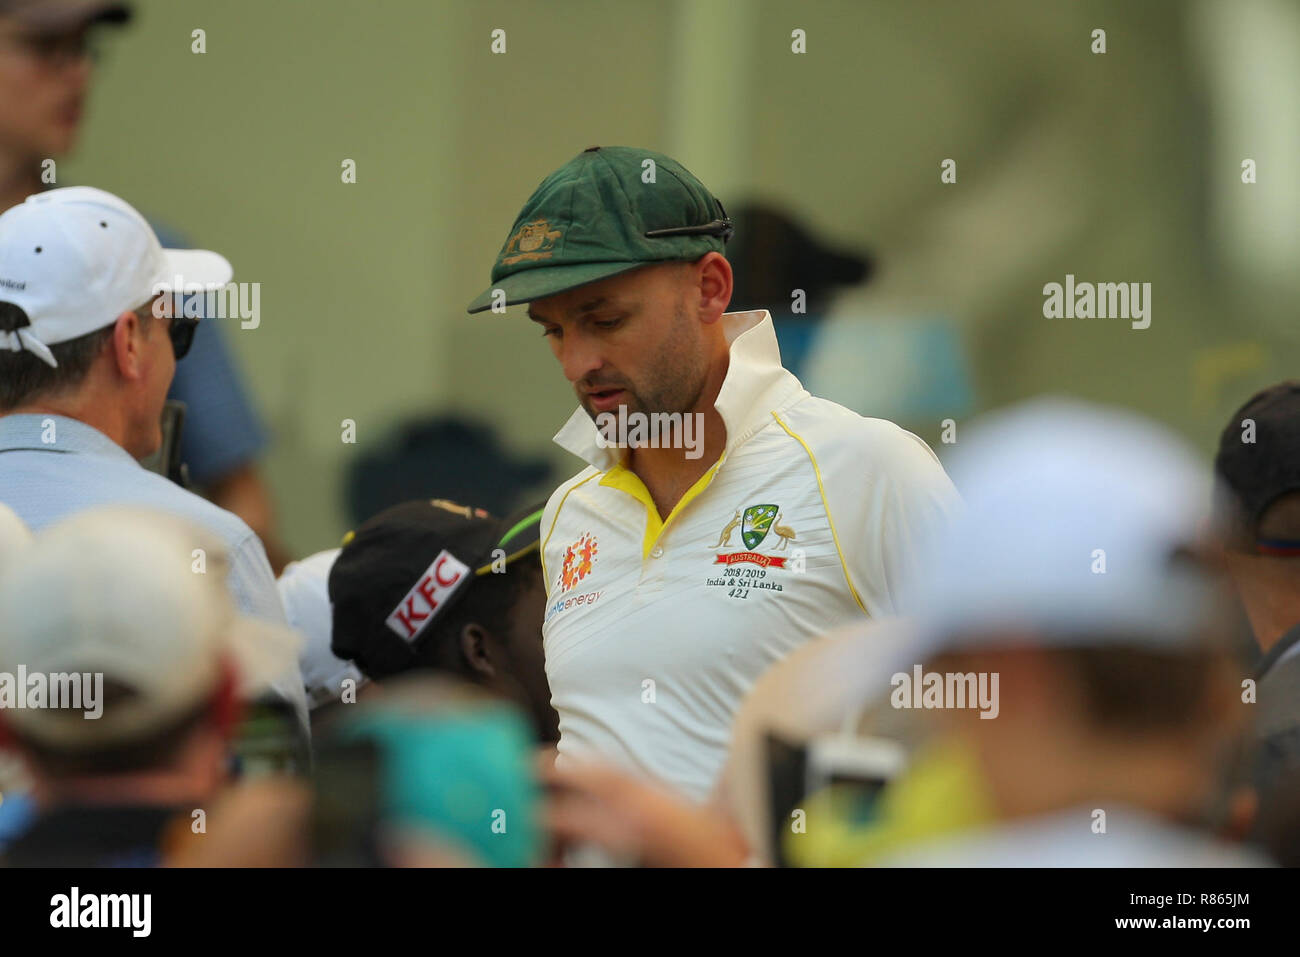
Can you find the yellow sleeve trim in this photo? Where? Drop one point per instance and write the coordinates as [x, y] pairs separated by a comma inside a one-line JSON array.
[[821, 489], [546, 577]]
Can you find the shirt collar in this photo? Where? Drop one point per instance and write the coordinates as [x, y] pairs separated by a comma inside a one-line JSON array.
[[29, 431], [755, 384]]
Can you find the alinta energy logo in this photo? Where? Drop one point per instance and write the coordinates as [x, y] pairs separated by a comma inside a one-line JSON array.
[[578, 561], [61, 691]]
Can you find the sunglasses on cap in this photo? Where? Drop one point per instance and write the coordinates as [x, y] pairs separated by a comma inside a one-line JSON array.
[[721, 227], [180, 329]]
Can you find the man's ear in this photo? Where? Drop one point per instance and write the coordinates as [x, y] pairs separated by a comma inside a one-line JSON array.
[[474, 648], [128, 345], [714, 285], [227, 708]]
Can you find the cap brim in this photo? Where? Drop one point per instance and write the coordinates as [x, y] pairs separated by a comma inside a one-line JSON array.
[[75, 13], [193, 267], [532, 284], [520, 535]]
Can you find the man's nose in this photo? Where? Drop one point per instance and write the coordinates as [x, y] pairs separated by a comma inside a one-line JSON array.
[[579, 356]]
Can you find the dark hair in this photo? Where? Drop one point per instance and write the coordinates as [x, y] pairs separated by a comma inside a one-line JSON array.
[[489, 602], [1135, 691], [25, 377], [152, 751]]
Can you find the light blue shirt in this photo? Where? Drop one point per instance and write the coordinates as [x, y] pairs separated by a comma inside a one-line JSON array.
[[52, 466]]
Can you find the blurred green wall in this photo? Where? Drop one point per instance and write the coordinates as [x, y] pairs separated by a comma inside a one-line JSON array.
[[1067, 162]]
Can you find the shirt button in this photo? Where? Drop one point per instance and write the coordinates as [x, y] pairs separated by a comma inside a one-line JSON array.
[[657, 551]]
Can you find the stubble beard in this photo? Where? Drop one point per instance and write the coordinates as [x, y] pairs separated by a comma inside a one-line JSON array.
[[679, 376]]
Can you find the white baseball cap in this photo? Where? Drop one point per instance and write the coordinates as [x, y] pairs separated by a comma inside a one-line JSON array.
[[74, 259], [1074, 515], [124, 592], [14, 535], [304, 589]]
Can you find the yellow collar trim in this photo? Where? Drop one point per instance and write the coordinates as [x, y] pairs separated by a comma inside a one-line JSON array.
[[625, 480]]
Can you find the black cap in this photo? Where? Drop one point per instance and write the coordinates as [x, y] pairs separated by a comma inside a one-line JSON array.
[[1253, 474], [52, 15], [402, 570]]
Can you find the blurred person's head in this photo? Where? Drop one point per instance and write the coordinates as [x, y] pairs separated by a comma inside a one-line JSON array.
[[45, 67], [87, 325], [1077, 579], [123, 661], [619, 253], [1278, 825], [435, 586], [428, 771], [15, 536], [1257, 504], [774, 252], [1120, 723]]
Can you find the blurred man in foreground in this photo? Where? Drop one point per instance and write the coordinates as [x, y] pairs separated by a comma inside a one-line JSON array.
[[1258, 473], [1074, 588], [15, 802], [160, 661]]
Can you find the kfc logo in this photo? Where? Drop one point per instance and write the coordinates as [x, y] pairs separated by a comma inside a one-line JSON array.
[[439, 581]]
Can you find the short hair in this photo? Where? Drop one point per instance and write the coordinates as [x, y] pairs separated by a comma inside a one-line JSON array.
[[1133, 690], [25, 377], [1280, 519]]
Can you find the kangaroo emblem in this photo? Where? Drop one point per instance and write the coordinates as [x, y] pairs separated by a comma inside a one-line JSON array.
[[725, 538]]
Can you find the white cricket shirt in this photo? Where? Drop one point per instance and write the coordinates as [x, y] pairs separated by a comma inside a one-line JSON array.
[[655, 630]]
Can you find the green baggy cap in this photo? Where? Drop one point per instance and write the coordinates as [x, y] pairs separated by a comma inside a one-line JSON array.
[[608, 210]]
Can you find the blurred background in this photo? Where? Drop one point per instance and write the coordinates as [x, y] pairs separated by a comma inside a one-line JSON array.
[[1117, 167]]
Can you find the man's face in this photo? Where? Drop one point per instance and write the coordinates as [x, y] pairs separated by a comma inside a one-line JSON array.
[[631, 340], [43, 83], [158, 365]]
